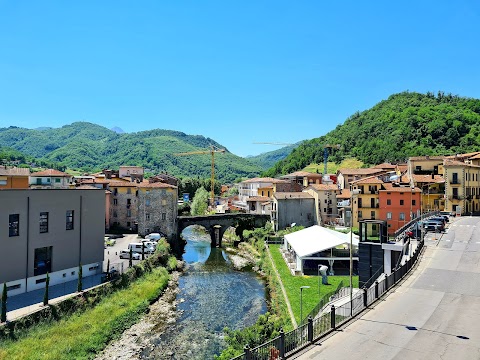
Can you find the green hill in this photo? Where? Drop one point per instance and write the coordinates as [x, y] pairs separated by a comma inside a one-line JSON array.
[[91, 147], [406, 124], [268, 159]]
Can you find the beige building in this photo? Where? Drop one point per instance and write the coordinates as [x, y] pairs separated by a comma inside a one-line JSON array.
[[326, 211], [50, 179], [347, 176], [462, 186], [50, 231]]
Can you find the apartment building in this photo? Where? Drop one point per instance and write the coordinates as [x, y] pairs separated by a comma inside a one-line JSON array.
[[292, 207], [13, 177], [157, 208], [49, 231], [346, 176], [50, 179], [326, 210]]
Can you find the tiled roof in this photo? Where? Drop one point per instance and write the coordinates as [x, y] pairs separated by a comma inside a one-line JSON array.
[[384, 166], [301, 173], [258, 198], [427, 179], [346, 194], [292, 195], [466, 155], [390, 188], [362, 171], [50, 172], [122, 184], [448, 162], [267, 179], [323, 187], [426, 157], [6, 171], [156, 185], [475, 157], [367, 180]]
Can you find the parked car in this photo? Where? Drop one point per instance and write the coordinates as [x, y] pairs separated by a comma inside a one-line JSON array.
[[110, 242], [438, 218], [432, 225], [153, 236], [125, 254]]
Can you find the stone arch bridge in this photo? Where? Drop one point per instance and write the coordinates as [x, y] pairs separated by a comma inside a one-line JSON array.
[[217, 224]]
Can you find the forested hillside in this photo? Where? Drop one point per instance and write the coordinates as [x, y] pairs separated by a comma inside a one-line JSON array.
[[268, 159], [91, 147], [406, 124]]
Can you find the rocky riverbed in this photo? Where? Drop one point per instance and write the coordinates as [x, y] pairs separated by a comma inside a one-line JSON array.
[[136, 339]]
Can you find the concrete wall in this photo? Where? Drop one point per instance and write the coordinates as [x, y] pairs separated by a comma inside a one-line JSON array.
[[299, 211], [161, 214], [83, 244]]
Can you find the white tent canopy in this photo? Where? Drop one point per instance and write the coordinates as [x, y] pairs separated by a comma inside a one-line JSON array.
[[316, 239]]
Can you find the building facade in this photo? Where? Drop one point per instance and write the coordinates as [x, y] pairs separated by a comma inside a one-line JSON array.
[[50, 231], [289, 208], [13, 177], [50, 179]]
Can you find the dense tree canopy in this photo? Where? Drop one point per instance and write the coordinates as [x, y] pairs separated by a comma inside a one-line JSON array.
[[404, 125]]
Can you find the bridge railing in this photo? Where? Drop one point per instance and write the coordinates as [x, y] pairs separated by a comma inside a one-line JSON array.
[[313, 330]]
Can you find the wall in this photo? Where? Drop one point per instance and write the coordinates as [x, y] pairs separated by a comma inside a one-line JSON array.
[[162, 201], [83, 244], [295, 211]]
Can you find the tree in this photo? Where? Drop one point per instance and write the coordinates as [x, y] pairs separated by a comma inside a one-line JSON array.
[[80, 274], [45, 294], [3, 316], [200, 202], [130, 261], [143, 252]]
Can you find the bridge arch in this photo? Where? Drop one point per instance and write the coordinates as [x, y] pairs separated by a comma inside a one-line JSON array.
[[217, 224]]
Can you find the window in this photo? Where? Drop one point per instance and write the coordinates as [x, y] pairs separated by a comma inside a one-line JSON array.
[[413, 202], [359, 214], [164, 216], [389, 202], [129, 213], [115, 191], [372, 214], [114, 214], [115, 202], [14, 287], [128, 223], [389, 216], [39, 181], [402, 216], [42, 261], [3, 182], [401, 202], [325, 201], [13, 225], [454, 178], [129, 191], [129, 201], [57, 181], [147, 230], [325, 210], [147, 202], [164, 202], [147, 216], [43, 222], [69, 223]]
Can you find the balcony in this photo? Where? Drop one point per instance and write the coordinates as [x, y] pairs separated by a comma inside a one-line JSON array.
[[454, 182]]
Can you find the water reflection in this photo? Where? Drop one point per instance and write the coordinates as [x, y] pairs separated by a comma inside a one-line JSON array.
[[212, 296]]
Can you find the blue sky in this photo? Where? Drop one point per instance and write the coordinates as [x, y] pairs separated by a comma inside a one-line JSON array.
[[235, 71]]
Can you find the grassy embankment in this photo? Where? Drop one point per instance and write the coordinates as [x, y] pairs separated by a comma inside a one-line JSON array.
[[82, 335], [292, 285]]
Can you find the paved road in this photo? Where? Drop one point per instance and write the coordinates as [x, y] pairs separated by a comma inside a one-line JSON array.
[[434, 314]]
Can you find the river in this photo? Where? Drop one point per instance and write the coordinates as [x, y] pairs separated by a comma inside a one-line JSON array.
[[212, 296]]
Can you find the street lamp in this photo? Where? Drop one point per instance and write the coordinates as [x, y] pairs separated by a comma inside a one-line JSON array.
[[353, 192], [301, 301]]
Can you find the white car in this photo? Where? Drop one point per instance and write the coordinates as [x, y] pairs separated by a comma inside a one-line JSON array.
[[125, 254]]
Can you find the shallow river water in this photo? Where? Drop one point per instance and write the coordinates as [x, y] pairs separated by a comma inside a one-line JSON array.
[[212, 296]]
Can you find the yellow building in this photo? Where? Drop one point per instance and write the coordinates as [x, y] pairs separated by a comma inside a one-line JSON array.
[[433, 191], [462, 184], [366, 203]]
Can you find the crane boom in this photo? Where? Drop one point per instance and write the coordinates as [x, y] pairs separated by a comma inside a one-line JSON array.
[[211, 151]]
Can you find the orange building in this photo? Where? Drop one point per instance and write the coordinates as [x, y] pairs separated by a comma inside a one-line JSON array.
[[398, 205], [13, 177]]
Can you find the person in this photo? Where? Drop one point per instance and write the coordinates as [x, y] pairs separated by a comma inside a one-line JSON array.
[[323, 272]]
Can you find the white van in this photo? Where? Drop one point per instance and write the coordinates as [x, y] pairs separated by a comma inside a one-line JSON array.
[[125, 254], [137, 247], [149, 244]]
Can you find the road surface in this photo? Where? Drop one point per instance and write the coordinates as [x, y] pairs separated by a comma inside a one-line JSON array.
[[434, 314]]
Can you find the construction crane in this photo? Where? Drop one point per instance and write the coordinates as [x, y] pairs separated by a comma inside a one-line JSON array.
[[213, 149], [325, 151]]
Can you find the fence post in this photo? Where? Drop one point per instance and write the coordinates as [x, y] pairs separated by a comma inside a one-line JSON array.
[[310, 329], [365, 300], [332, 317], [376, 289], [248, 354], [282, 344]]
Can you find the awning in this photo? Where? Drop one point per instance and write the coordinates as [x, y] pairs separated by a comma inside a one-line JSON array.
[[316, 239]]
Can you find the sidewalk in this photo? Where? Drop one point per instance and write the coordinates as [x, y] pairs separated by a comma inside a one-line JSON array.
[[27, 303]]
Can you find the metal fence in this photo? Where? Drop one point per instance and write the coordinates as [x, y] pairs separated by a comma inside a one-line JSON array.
[[315, 328], [323, 301]]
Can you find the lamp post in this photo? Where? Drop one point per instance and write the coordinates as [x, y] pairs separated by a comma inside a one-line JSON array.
[[319, 280], [301, 301], [353, 192]]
